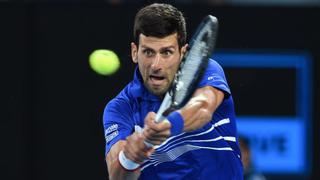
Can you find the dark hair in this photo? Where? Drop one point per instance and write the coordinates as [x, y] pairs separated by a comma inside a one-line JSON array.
[[160, 20], [244, 142]]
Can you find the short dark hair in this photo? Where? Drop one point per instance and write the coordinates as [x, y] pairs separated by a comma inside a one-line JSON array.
[[160, 20]]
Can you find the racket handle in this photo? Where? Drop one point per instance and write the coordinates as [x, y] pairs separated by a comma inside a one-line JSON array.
[[149, 145], [177, 124], [139, 130], [159, 116], [164, 106]]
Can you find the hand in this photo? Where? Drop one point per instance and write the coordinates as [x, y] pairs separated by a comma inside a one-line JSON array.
[[155, 133], [135, 148]]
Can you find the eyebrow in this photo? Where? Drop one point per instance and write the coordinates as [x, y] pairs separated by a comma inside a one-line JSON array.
[[163, 48]]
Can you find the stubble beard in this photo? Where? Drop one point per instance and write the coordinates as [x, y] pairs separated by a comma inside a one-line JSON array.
[[157, 91]]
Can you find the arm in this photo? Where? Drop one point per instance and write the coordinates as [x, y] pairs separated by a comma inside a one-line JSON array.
[[115, 170], [135, 149], [198, 111]]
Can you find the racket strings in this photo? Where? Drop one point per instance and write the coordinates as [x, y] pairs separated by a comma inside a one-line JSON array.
[[193, 64], [191, 70]]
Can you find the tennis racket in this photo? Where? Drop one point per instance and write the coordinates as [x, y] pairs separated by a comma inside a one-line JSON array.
[[192, 67]]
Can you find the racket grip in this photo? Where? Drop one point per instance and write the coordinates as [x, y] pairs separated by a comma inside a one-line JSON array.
[[149, 145], [177, 123], [127, 163]]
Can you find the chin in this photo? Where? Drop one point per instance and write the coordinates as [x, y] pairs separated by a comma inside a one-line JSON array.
[[157, 91]]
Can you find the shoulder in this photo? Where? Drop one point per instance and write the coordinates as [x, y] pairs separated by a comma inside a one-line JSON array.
[[119, 112], [122, 102], [214, 76], [215, 66]]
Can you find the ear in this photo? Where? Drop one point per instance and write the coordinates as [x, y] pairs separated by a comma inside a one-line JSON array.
[[134, 52], [184, 50]]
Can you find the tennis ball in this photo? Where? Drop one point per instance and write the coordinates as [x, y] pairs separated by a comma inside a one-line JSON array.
[[104, 62]]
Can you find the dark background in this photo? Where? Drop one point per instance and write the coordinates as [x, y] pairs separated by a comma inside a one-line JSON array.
[[52, 102]]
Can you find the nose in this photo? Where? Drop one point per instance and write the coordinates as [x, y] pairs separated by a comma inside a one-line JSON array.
[[156, 63]]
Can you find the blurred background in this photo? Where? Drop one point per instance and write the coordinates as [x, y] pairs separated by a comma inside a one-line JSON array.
[[52, 102]]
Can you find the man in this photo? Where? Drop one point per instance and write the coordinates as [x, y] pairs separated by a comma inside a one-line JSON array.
[[249, 172], [205, 147]]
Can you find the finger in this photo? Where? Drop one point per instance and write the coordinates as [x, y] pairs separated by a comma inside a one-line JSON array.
[[150, 118], [165, 124], [135, 148], [153, 127], [152, 135], [163, 134], [150, 151], [156, 140], [129, 150], [139, 156]]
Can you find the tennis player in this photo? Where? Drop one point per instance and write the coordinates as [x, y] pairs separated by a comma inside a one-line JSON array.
[[202, 144]]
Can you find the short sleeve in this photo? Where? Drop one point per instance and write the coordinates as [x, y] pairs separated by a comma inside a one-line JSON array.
[[117, 121], [214, 76]]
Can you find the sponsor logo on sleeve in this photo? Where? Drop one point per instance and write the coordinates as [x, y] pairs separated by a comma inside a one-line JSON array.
[[111, 132]]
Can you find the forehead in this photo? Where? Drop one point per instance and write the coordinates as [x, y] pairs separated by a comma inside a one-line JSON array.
[[155, 42]]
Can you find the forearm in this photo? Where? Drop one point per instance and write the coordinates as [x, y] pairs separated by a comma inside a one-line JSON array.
[[199, 110], [118, 172], [115, 170], [195, 114], [125, 156]]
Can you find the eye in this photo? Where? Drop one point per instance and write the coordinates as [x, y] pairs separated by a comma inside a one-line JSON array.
[[148, 52], [167, 52]]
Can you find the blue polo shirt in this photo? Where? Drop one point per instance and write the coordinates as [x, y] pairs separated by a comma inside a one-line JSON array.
[[211, 152]]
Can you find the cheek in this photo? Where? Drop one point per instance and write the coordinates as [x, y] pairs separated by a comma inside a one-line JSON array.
[[175, 64], [143, 67], [173, 67]]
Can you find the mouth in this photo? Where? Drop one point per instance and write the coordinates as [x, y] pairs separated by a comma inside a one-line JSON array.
[[157, 80]]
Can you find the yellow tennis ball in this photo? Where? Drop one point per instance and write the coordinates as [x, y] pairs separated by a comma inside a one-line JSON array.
[[104, 62]]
